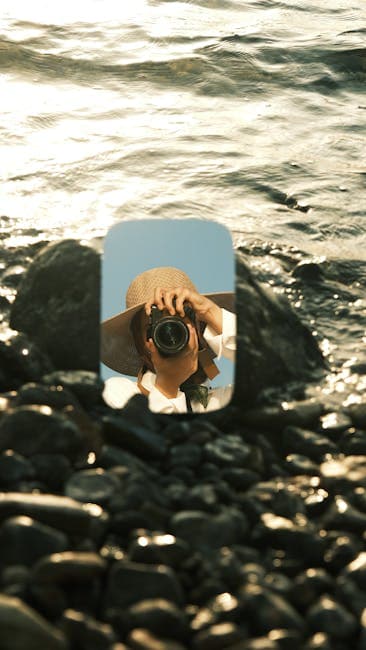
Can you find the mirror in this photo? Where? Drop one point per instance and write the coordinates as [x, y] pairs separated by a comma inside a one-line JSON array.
[[168, 326]]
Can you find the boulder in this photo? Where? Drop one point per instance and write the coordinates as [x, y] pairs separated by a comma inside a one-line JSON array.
[[274, 347], [57, 304]]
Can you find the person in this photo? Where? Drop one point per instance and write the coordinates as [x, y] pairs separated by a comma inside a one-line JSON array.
[[178, 383]]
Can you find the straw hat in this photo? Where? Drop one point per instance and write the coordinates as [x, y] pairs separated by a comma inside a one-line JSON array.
[[117, 345]]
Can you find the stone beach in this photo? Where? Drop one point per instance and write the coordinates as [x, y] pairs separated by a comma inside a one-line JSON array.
[[123, 530]]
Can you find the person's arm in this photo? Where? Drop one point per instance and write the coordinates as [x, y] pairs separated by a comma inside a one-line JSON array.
[[224, 343]]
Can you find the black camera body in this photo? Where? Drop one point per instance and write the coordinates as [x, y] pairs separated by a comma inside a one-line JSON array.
[[169, 333]]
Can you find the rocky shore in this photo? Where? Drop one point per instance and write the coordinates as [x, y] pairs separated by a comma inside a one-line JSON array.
[[239, 530]]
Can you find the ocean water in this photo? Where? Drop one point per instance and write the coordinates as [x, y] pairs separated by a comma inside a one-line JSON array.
[[249, 113]]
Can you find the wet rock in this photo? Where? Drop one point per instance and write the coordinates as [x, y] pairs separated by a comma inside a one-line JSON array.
[[22, 627], [92, 485], [55, 396], [239, 478], [307, 443], [308, 272], [140, 639], [309, 585], [218, 637], [268, 611], [158, 549], [129, 582], [59, 512], [14, 468], [340, 473], [13, 275], [286, 639], [52, 469], [356, 570], [341, 551], [329, 616], [319, 641], [37, 429], [342, 515], [350, 595], [24, 541], [353, 442], [137, 439], [201, 497], [297, 537], [273, 496], [69, 566], [58, 312], [200, 529], [334, 423], [357, 413], [85, 632], [299, 464], [274, 418], [186, 455], [86, 385], [228, 450], [21, 360], [159, 616], [274, 346]]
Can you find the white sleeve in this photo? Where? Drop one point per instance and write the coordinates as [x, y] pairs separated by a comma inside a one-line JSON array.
[[225, 343], [159, 403], [118, 390]]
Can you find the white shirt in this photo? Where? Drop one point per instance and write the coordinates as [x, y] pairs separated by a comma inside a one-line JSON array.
[[118, 390]]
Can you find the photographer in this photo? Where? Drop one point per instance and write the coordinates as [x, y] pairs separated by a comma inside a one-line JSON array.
[[175, 382]]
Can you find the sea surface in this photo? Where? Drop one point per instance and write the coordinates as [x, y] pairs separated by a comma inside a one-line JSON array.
[[249, 113]]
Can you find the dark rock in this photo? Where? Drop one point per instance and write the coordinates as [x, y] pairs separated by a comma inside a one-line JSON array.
[[342, 515], [158, 549], [129, 582], [134, 438], [274, 346], [20, 360], [239, 478], [350, 595], [341, 551], [334, 423], [86, 385], [55, 396], [297, 537], [84, 632], [218, 637], [24, 541], [13, 275], [228, 450], [356, 570], [353, 442], [186, 455], [70, 566], [37, 429], [308, 272], [140, 639], [329, 616], [200, 529], [357, 413], [309, 585], [299, 464], [260, 643], [14, 468], [21, 627], [50, 600], [52, 469], [58, 304], [95, 485], [319, 641], [286, 639], [159, 616], [274, 418], [201, 497], [307, 443], [59, 512], [268, 611], [340, 473]]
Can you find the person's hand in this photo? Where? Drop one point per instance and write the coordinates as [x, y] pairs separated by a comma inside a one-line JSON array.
[[206, 310], [172, 371]]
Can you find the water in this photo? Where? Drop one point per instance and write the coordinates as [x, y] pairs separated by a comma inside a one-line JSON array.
[[250, 113]]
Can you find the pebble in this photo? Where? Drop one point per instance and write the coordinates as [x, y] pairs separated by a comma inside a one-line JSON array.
[[308, 443], [57, 397], [200, 529], [344, 516], [158, 549], [357, 413], [69, 566], [217, 637], [85, 632], [34, 429], [334, 423], [267, 610], [274, 418], [309, 585], [22, 627], [339, 473], [141, 639], [20, 360], [86, 385], [133, 438], [329, 616], [160, 616], [92, 485], [130, 582], [24, 541], [229, 450], [14, 468], [52, 470]]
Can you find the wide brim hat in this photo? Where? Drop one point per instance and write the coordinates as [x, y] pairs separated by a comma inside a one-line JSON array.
[[118, 350]]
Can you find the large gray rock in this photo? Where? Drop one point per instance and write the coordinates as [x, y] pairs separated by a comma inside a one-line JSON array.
[[57, 304], [274, 347]]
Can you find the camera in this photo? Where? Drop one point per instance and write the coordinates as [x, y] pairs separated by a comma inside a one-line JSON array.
[[169, 333]]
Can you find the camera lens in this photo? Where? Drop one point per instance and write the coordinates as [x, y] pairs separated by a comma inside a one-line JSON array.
[[171, 335]]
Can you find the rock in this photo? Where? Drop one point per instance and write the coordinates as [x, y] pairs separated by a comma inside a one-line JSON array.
[[329, 616], [130, 582], [21, 627], [268, 611], [159, 616], [59, 512], [353, 442], [140, 639], [69, 566], [299, 464], [95, 485], [85, 632], [341, 473], [229, 450], [57, 396], [158, 549], [274, 346], [356, 570], [14, 468], [297, 537], [24, 541], [186, 455], [309, 585], [304, 413], [341, 551], [134, 438], [202, 530], [342, 515], [217, 637], [308, 272], [357, 413], [307, 443], [319, 641], [52, 470], [334, 423], [35, 429], [86, 385], [21, 360], [57, 304]]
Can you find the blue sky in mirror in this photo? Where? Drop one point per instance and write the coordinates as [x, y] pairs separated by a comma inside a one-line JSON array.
[[201, 248]]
